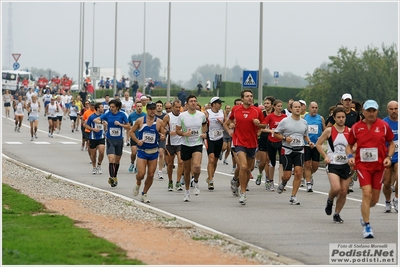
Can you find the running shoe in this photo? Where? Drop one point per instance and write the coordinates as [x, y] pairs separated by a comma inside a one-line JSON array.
[[350, 190], [233, 170], [19, 129], [242, 199], [111, 182], [128, 144], [32, 138], [145, 199], [99, 170], [257, 164], [170, 186], [395, 204], [309, 188], [191, 181], [271, 185], [115, 181], [302, 183], [36, 135], [51, 135], [258, 180], [196, 189], [182, 180], [312, 180], [15, 129], [135, 170], [81, 146], [328, 207], [354, 176], [337, 219], [267, 185], [94, 171], [211, 185], [160, 175], [247, 187], [178, 186], [186, 196], [393, 189], [225, 163], [131, 167], [294, 201], [136, 190], [251, 176], [281, 186], [388, 206], [234, 186], [368, 231], [220, 156]]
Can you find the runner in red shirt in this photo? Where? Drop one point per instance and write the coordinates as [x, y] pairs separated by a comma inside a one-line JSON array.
[[372, 156], [246, 118], [25, 83], [66, 85]]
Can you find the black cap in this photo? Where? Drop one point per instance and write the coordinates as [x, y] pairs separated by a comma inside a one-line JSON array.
[[151, 105]]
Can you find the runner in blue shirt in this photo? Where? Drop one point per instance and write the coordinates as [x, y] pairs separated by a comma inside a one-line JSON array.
[[134, 116], [96, 138], [116, 121]]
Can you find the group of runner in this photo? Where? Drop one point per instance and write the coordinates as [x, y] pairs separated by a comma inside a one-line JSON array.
[[357, 144]]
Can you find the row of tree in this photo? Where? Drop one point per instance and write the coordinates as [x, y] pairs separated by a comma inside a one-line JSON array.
[[369, 74]]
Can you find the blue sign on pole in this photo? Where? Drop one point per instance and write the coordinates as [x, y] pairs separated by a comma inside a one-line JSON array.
[[250, 79], [276, 74], [136, 72], [16, 65]]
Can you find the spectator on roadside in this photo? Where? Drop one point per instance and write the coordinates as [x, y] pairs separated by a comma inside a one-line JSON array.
[[135, 87], [199, 88], [101, 83], [182, 96]]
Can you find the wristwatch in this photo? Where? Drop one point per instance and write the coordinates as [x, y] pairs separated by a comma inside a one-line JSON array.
[[389, 157]]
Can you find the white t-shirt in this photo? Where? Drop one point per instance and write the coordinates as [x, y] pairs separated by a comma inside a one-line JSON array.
[[127, 106], [192, 123]]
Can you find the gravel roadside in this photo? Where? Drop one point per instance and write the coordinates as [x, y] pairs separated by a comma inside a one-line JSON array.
[[43, 187]]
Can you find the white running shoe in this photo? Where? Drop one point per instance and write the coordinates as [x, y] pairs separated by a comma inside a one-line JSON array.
[[94, 171], [160, 175], [99, 171], [233, 170], [136, 190], [242, 199], [196, 189], [145, 199], [388, 206], [186, 197], [396, 204], [294, 201]]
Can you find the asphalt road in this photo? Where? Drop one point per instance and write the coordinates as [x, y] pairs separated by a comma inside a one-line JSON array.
[[302, 233]]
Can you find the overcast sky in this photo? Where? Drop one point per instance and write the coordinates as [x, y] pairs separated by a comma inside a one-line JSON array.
[[298, 36]]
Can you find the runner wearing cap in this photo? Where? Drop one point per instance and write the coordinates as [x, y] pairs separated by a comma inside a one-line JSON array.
[[371, 159], [150, 130], [215, 120]]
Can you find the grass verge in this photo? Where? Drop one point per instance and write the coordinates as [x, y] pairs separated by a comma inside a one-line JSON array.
[[33, 235]]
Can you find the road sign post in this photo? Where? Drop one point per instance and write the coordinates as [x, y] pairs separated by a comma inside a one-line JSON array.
[[250, 79]]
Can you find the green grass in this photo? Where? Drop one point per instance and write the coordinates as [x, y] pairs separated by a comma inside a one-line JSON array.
[[34, 235]]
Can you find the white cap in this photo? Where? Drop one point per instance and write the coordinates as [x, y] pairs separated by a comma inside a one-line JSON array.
[[303, 102], [216, 99], [143, 97], [346, 96]]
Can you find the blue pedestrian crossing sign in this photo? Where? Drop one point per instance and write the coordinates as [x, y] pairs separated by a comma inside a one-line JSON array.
[[276, 74], [16, 65], [250, 79], [136, 72]]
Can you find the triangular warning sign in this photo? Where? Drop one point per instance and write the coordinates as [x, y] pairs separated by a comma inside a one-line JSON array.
[[249, 80], [16, 57], [136, 63]]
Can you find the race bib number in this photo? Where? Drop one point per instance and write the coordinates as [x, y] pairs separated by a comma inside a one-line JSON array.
[[99, 126], [297, 141], [52, 115], [115, 132], [149, 138], [217, 133], [339, 158], [194, 132], [173, 127], [313, 129], [369, 154], [34, 109]]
